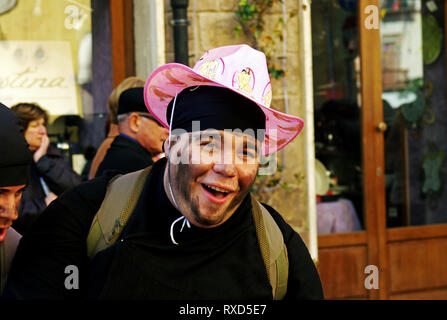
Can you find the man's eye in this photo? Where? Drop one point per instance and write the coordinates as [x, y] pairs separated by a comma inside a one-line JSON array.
[[248, 153], [207, 143], [208, 146]]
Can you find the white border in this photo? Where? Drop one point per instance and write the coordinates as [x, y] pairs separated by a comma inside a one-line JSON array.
[[305, 26]]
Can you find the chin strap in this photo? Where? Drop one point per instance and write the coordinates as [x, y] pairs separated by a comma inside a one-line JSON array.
[[185, 221]]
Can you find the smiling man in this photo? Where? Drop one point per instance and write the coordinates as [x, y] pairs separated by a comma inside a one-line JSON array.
[[221, 160], [187, 227], [15, 160]]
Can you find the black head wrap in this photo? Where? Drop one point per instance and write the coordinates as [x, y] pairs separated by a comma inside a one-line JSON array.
[[15, 157], [216, 108]]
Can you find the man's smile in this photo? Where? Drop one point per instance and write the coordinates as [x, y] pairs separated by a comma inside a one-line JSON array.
[[217, 195]]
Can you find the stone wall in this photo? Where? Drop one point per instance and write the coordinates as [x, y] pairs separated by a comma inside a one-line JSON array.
[[212, 25]]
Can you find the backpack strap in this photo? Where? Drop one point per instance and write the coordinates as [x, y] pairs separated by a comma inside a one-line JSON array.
[[122, 195], [273, 249]]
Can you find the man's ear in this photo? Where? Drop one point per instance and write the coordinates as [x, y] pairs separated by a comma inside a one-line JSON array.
[[134, 122], [168, 147], [165, 147]]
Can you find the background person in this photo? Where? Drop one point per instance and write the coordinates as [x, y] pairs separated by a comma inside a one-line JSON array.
[[15, 160], [140, 136], [112, 121], [50, 173]]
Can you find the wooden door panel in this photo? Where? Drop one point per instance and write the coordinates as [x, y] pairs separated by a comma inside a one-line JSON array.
[[418, 264], [342, 272], [434, 294]]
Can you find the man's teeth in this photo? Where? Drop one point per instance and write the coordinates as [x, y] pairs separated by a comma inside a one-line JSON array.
[[217, 189]]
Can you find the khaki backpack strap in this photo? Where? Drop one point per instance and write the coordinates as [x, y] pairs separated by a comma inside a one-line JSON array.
[[273, 249], [122, 195]]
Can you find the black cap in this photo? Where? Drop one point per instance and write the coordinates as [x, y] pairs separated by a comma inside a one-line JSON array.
[[132, 100], [15, 157]]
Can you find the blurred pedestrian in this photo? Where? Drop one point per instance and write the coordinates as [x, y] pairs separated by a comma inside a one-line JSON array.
[[112, 121], [140, 136], [15, 159], [50, 173]]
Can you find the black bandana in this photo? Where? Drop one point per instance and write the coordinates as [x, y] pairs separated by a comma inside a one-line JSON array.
[[216, 108]]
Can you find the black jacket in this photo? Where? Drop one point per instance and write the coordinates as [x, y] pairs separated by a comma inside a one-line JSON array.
[[57, 174], [218, 263], [125, 155]]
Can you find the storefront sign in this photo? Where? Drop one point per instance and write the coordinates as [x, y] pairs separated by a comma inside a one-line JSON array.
[[40, 72]]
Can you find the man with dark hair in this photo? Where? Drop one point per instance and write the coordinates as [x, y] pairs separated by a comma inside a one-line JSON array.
[[187, 227], [140, 136], [15, 160]]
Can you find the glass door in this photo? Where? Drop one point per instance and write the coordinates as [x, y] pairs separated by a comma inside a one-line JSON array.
[[414, 109], [337, 114]]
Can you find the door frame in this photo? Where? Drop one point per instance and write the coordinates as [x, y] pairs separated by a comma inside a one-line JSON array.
[[373, 145], [122, 40]]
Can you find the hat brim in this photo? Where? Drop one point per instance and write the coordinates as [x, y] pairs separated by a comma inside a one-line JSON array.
[[170, 79]]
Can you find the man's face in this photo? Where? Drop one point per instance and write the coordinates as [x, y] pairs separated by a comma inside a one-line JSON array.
[[9, 205], [34, 133], [151, 135], [209, 191]]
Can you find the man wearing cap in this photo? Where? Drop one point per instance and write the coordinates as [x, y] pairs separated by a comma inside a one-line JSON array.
[[193, 232], [140, 136], [15, 160]]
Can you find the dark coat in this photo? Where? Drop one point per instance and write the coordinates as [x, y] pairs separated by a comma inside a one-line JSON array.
[[125, 155], [224, 262], [58, 175]]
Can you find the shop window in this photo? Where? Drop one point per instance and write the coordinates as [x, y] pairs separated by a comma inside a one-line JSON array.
[[46, 57]]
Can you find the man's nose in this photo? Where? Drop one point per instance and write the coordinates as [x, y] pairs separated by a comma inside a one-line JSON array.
[[226, 169], [224, 163], [43, 129]]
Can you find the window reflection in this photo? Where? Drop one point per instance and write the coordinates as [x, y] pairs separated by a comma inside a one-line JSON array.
[[46, 53], [337, 116], [414, 106]]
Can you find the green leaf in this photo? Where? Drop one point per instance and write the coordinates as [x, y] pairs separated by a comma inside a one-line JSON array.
[[237, 31], [414, 111]]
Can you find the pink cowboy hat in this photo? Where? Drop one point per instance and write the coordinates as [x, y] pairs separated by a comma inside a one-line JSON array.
[[239, 68]]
